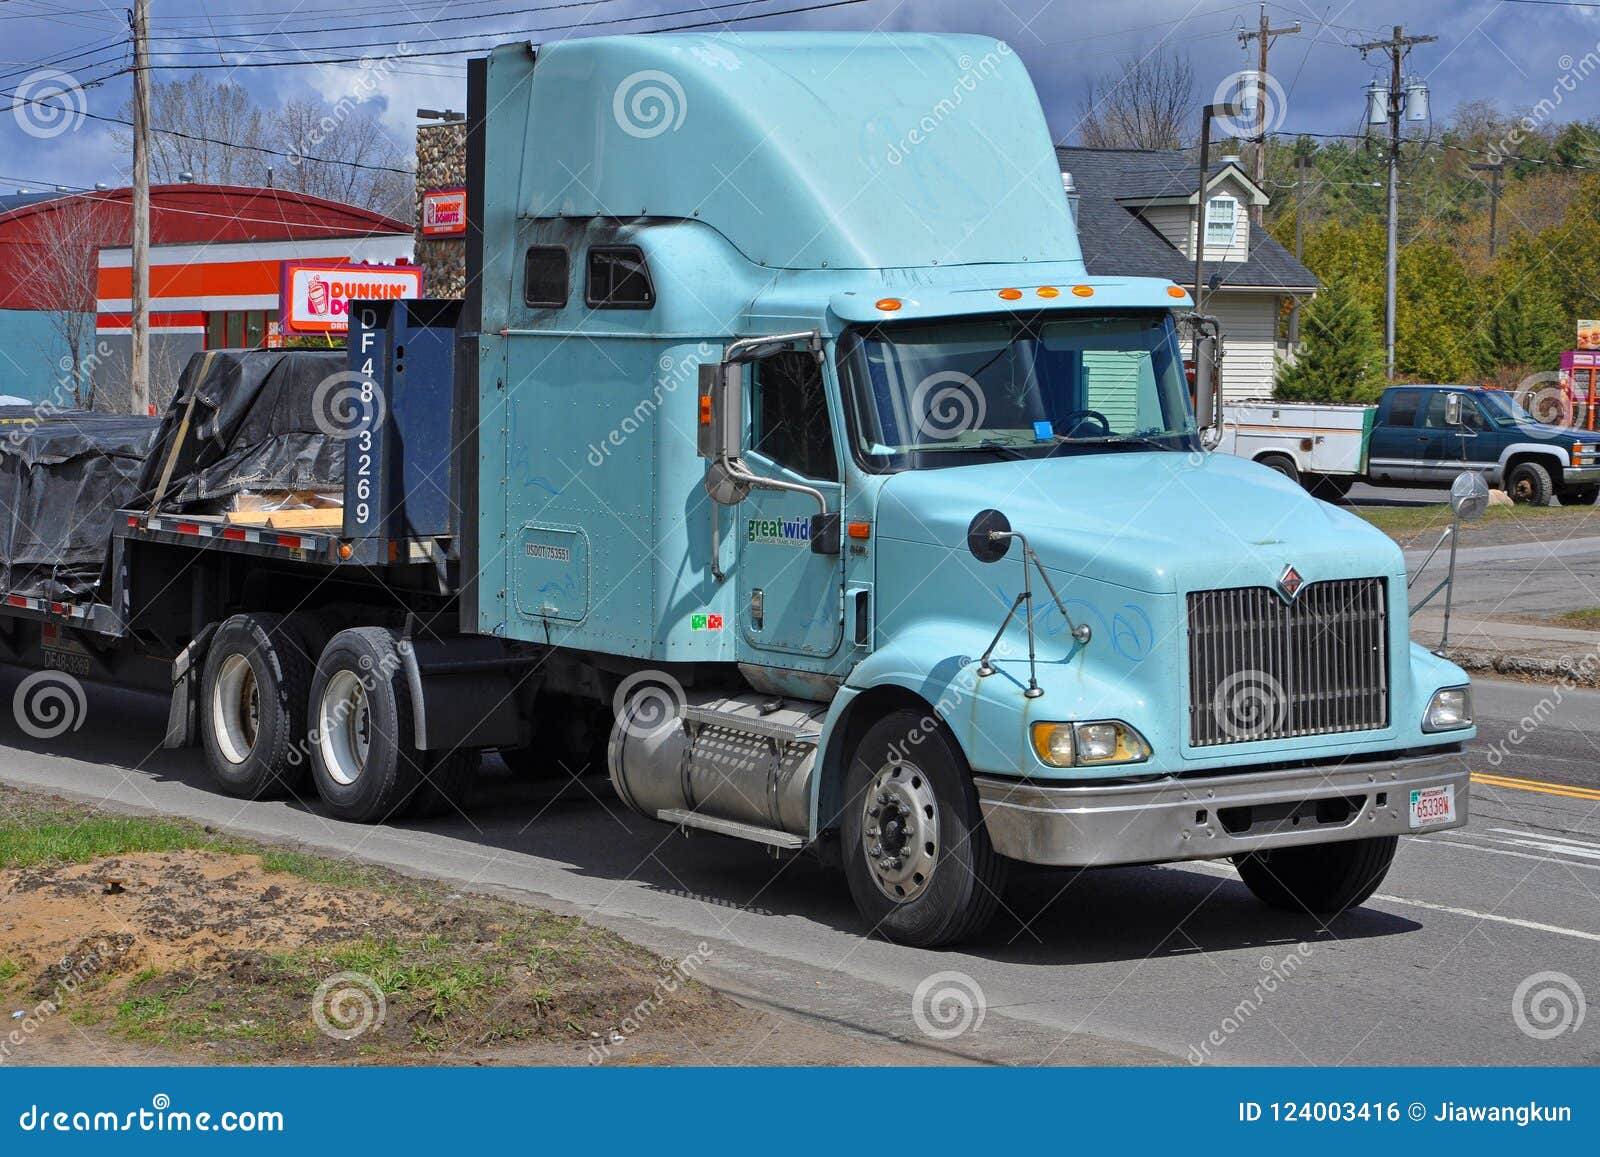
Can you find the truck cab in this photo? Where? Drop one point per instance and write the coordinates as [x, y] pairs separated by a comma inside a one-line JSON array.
[[805, 446], [1425, 435]]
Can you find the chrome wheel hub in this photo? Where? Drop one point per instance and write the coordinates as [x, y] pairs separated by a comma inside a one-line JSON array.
[[236, 709], [345, 727], [900, 830]]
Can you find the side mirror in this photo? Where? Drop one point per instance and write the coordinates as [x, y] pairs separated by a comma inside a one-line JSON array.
[[1205, 364], [1469, 496], [1452, 409], [721, 423]]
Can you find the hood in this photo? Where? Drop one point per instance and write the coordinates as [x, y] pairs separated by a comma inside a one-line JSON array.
[[1567, 434], [1149, 521]]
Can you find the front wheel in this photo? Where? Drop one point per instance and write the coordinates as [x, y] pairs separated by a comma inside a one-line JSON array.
[[1578, 495], [1322, 879], [916, 854]]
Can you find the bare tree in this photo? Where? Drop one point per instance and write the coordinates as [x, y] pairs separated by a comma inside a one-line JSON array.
[[336, 150], [61, 256], [1143, 105]]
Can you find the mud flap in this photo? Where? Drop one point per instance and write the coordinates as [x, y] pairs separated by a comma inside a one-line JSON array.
[[183, 715]]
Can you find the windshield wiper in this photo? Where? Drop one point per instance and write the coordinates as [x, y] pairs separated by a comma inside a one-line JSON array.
[[1119, 440], [1009, 449]]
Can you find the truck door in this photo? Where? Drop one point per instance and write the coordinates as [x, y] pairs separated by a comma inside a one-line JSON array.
[[1447, 449], [1395, 451], [790, 600]]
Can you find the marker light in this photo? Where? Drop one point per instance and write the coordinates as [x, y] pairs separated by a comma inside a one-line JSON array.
[[1177, 291], [705, 409], [888, 304], [1010, 294], [1048, 291], [859, 530], [1083, 290]]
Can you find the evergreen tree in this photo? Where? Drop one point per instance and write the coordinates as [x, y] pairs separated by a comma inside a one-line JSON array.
[[1339, 359], [1525, 327]]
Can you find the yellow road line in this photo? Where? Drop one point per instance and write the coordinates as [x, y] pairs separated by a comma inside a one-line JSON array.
[[1539, 786]]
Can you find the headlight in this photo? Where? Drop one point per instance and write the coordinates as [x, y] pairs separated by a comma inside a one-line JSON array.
[[1450, 709], [1101, 742]]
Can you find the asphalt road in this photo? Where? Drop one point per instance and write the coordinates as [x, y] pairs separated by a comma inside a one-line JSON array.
[[1532, 578], [1146, 965]]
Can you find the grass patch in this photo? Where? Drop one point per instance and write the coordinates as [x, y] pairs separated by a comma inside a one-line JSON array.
[[91, 838], [1585, 619], [1406, 521], [8, 969]]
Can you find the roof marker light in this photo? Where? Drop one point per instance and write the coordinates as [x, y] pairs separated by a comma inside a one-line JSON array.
[[888, 304], [1177, 291], [1048, 291], [1083, 290], [1010, 294]]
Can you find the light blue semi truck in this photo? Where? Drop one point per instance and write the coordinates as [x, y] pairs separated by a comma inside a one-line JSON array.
[[797, 465]]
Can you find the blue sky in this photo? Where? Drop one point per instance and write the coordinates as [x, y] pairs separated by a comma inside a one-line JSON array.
[[1514, 53]]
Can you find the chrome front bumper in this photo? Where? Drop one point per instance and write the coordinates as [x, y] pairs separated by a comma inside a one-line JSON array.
[[1095, 825], [1580, 475]]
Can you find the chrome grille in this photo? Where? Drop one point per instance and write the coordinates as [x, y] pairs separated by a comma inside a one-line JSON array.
[[1261, 668]]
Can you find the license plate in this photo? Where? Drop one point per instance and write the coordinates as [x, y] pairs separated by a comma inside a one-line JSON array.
[[1431, 806]]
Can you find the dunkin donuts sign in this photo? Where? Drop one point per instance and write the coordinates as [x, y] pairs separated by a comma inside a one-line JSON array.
[[316, 298]]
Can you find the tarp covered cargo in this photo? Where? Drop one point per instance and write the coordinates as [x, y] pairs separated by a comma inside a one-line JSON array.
[[254, 425], [63, 475]]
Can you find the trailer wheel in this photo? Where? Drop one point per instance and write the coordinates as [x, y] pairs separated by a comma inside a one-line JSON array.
[[254, 691], [1322, 879], [1283, 465], [362, 758], [916, 854]]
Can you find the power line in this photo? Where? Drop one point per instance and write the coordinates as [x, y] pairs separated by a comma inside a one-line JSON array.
[[429, 23]]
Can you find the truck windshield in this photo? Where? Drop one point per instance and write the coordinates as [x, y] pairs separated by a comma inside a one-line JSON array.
[[1503, 408], [949, 393]]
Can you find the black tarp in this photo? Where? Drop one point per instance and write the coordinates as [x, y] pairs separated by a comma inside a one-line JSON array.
[[255, 426], [63, 475]]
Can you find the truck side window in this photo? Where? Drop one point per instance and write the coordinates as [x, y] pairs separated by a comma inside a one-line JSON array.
[[544, 277], [1403, 407], [789, 416], [618, 279]]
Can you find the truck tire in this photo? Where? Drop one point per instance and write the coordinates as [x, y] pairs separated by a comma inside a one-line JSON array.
[[447, 781], [1328, 487], [916, 854], [1322, 879], [253, 696], [362, 759], [1283, 465], [1578, 495], [1528, 484]]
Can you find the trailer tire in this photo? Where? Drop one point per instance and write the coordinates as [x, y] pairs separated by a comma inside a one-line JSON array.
[[447, 782], [363, 762], [1283, 464], [1320, 879], [253, 695], [1528, 483], [947, 874]]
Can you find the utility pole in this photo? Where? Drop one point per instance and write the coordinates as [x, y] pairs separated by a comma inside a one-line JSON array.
[[1299, 239], [1495, 169], [139, 361], [1397, 47], [1263, 35]]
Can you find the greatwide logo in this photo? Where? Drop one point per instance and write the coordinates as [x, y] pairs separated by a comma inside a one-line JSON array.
[[1290, 582], [783, 531]]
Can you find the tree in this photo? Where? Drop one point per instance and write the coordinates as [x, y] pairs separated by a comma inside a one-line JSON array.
[[335, 150], [1143, 105], [61, 257], [1339, 359], [1525, 328]]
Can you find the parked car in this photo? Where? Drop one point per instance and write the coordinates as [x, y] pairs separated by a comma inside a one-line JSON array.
[[1426, 435]]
